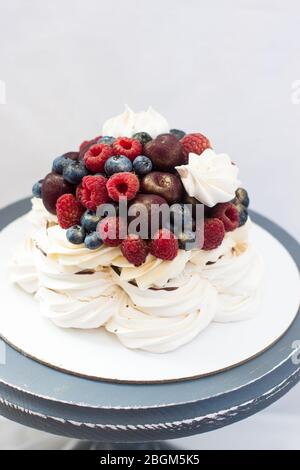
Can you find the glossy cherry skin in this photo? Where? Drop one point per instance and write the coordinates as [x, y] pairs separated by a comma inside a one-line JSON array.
[[167, 185], [53, 187]]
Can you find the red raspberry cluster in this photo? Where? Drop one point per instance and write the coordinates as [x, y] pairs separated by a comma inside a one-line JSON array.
[[141, 170]]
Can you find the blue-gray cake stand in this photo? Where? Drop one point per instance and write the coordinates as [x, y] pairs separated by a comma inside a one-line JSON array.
[[129, 414]]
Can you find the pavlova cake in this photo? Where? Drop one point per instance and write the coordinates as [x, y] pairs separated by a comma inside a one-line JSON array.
[[144, 232]]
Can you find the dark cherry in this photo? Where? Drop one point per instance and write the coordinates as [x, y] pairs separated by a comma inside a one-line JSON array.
[[53, 187], [165, 152], [72, 155], [193, 201], [146, 201], [163, 184]]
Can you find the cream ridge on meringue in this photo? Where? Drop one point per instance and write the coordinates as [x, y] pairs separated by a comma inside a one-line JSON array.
[[166, 299]]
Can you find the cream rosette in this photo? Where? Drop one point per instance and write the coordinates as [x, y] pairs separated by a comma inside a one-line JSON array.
[[129, 122], [211, 178]]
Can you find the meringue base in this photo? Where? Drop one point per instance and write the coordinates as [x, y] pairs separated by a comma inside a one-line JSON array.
[[99, 355]]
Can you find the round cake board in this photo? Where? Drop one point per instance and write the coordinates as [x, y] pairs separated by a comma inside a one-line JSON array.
[[99, 355]]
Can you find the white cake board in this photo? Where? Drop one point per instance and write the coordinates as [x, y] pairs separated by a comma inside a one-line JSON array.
[[99, 355]]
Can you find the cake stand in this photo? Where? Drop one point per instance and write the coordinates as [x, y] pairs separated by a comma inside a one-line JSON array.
[[116, 415]]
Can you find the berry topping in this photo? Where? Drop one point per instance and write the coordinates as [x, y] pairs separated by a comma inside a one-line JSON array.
[[165, 152], [164, 184], [131, 148], [178, 133], [134, 249], [143, 137], [69, 211], [144, 210], [243, 214], [107, 140], [74, 171], [75, 235], [86, 144], [194, 143], [93, 241], [78, 193], [117, 164], [213, 233], [53, 187], [37, 189], [242, 197], [71, 155], [112, 230], [96, 157], [92, 192], [142, 165], [89, 221], [228, 214], [164, 245], [58, 164], [123, 185], [181, 217]]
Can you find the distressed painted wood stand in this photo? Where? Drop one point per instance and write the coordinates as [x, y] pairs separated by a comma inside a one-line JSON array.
[[109, 413]]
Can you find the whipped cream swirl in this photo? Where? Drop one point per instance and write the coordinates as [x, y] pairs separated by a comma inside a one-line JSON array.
[[129, 122], [39, 216], [211, 178], [161, 321], [23, 270]]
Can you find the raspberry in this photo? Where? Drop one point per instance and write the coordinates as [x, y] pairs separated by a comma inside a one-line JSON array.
[[213, 233], [228, 214], [93, 192], [86, 144], [68, 210], [131, 148], [194, 143], [112, 230], [123, 185], [96, 157], [164, 245], [134, 249], [79, 193]]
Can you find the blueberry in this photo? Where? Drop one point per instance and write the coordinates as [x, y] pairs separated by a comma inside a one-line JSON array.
[[142, 165], [143, 137], [107, 139], [186, 240], [74, 171], [89, 221], [242, 197], [117, 164], [76, 234], [93, 241], [37, 189], [178, 133], [243, 213], [59, 163], [181, 217]]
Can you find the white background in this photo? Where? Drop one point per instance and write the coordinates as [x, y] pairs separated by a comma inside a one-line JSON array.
[[222, 68]]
